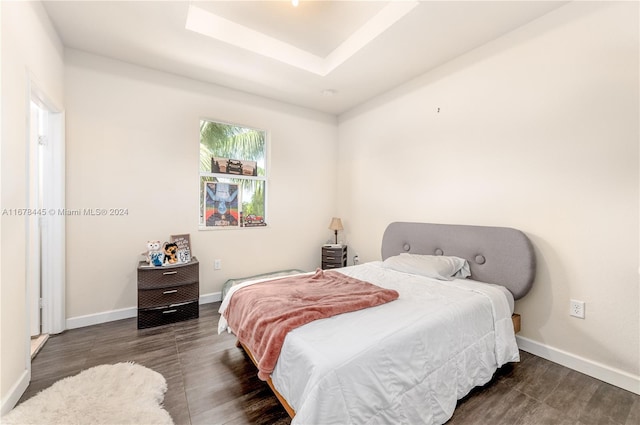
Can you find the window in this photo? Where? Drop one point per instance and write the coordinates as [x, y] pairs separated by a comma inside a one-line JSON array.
[[233, 176]]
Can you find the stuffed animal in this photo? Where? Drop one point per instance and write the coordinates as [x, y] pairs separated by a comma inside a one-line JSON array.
[[157, 258], [151, 247], [170, 250]]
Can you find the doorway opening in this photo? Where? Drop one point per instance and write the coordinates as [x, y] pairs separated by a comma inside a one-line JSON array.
[[45, 221]]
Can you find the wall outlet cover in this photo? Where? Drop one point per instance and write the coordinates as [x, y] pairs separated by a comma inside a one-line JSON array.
[[576, 308]]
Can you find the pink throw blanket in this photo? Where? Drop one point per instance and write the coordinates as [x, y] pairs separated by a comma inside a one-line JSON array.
[[262, 314]]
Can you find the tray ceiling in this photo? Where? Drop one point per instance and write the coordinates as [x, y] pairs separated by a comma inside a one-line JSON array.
[[352, 50]]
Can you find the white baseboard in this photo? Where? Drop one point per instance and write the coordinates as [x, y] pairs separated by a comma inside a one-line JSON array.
[[14, 394], [596, 370], [210, 298], [124, 313], [103, 317]]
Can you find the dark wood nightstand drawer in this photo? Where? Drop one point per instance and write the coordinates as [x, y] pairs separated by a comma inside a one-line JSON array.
[[169, 314], [169, 295], [333, 252], [163, 277], [326, 266], [332, 260]]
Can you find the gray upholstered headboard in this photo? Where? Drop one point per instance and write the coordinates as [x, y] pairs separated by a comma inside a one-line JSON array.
[[498, 255]]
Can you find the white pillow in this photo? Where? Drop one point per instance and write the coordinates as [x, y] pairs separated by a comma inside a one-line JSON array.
[[435, 266]]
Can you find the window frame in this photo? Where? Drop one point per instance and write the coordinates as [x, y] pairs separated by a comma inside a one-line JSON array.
[[264, 178]]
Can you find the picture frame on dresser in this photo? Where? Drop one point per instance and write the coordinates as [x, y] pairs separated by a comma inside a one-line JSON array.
[[184, 246]]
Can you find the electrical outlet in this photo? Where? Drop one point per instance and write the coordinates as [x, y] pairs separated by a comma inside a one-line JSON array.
[[576, 308], [217, 264]]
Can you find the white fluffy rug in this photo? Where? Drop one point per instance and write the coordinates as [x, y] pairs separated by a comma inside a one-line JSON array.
[[124, 393]]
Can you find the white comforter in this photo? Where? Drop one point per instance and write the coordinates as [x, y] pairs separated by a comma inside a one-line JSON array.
[[404, 362]]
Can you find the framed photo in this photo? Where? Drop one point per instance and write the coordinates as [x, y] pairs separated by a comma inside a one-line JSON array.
[[184, 247], [221, 204], [238, 167]]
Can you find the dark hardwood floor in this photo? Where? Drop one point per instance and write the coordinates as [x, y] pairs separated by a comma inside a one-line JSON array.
[[210, 381]]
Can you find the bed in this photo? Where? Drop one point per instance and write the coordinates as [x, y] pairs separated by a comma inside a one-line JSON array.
[[408, 360]]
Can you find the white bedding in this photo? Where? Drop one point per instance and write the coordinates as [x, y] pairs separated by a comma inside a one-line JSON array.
[[404, 362]]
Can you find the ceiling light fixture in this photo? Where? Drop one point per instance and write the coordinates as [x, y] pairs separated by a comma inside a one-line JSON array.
[[295, 3], [207, 23]]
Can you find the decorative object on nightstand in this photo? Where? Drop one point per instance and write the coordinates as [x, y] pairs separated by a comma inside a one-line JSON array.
[[335, 225], [334, 256], [168, 294]]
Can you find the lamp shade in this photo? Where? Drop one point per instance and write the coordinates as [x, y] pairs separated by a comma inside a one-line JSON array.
[[336, 224]]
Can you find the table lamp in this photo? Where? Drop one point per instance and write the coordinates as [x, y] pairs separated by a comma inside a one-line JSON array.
[[335, 225]]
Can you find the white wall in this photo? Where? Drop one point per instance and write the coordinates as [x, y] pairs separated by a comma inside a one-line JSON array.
[[537, 130], [30, 51], [133, 142]]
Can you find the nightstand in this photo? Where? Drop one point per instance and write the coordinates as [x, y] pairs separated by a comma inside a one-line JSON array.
[[334, 257], [168, 294]]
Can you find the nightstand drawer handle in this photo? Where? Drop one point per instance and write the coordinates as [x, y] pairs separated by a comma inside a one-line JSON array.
[[169, 311], [167, 273], [331, 258], [173, 291]]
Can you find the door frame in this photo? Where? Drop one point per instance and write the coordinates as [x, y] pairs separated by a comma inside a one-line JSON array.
[[52, 234]]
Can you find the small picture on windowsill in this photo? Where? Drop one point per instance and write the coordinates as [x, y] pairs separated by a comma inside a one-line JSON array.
[[233, 166], [251, 220]]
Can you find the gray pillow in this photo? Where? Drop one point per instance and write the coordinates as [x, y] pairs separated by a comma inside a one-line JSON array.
[[435, 266]]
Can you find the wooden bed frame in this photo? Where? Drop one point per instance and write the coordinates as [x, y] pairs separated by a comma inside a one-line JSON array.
[[279, 396]]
